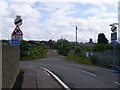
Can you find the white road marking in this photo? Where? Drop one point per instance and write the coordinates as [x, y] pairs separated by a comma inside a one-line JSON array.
[[60, 81], [47, 73], [117, 83], [89, 73]]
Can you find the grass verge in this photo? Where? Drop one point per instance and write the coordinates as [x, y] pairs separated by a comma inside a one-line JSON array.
[[75, 57]]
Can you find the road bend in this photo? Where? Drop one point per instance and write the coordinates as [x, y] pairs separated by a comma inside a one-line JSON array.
[[73, 74]]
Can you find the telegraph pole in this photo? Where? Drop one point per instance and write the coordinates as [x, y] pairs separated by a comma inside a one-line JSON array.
[[76, 32]]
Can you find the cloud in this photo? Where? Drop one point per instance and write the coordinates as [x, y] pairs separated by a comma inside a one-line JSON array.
[[44, 20], [93, 25], [3, 8], [29, 15]]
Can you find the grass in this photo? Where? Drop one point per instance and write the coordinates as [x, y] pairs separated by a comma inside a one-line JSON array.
[[34, 54], [74, 57]]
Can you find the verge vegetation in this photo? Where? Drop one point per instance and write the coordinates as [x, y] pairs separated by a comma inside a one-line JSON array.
[[32, 51], [87, 53]]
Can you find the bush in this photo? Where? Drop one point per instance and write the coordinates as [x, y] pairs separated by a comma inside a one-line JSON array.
[[32, 51]]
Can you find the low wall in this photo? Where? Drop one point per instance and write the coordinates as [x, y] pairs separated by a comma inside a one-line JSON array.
[[0, 66], [10, 65]]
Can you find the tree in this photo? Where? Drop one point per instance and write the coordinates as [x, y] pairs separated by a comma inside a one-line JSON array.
[[102, 39], [24, 45], [108, 47], [63, 46], [99, 47]]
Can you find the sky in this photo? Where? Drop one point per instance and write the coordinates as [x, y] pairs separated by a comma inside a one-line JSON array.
[[54, 19]]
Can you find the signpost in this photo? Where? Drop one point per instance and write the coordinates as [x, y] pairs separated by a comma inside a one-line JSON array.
[[114, 38], [114, 34], [17, 34]]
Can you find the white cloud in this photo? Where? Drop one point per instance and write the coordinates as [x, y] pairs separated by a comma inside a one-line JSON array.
[[59, 21], [29, 15], [96, 10], [3, 8]]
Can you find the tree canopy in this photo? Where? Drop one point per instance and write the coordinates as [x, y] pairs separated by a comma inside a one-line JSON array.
[[102, 39]]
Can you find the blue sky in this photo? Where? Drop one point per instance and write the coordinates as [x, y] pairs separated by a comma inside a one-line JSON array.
[[53, 19]]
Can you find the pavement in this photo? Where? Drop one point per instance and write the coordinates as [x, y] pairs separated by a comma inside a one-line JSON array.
[[38, 79]]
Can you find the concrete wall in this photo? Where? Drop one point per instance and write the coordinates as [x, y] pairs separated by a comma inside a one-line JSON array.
[[10, 65], [0, 66]]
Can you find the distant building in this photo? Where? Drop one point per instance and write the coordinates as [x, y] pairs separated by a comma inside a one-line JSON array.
[[51, 44], [91, 43]]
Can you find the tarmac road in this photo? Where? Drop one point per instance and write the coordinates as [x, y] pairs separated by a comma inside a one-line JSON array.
[[73, 74]]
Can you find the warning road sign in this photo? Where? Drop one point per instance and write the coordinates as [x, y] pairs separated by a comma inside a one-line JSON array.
[[17, 33]]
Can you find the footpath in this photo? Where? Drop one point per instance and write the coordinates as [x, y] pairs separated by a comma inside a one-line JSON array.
[[36, 79]]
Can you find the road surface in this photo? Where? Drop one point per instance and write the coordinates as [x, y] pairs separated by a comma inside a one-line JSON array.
[[73, 74]]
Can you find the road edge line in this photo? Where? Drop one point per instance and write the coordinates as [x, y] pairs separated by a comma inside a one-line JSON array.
[[57, 78], [117, 83], [47, 73]]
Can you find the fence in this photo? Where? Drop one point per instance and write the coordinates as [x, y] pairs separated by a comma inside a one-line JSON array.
[[104, 57]]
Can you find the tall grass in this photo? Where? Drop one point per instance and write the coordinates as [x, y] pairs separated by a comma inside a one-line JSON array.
[[76, 57]]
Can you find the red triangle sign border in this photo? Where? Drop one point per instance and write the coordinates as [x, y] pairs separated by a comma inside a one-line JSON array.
[[17, 32]]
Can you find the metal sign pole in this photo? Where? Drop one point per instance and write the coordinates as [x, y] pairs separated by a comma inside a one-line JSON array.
[[113, 39], [114, 55]]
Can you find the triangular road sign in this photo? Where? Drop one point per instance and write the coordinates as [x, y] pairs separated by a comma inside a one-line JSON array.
[[17, 32]]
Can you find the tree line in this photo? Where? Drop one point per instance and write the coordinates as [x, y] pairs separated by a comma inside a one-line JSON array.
[[38, 49]]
